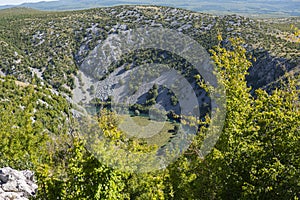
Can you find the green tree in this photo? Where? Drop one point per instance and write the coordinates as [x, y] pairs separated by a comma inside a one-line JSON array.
[[256, 156]]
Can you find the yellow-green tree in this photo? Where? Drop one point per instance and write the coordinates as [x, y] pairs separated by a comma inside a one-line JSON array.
[[257, 155]]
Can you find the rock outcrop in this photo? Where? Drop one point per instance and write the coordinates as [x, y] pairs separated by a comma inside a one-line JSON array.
[[17, 185]]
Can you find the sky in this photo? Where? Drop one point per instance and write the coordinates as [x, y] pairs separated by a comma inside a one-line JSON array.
[[17, 2]]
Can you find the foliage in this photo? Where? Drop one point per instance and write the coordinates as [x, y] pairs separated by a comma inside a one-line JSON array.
[[29, 117], [256, 156]]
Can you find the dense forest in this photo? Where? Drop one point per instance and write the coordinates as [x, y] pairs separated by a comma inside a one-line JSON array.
[[256, 155]]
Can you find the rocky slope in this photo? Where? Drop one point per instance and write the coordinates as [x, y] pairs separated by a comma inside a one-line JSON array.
[[49, 48]]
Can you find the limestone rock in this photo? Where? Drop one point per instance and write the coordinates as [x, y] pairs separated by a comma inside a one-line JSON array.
[[17, 185]]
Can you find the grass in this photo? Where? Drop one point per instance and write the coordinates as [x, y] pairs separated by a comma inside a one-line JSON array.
[[153, 132]]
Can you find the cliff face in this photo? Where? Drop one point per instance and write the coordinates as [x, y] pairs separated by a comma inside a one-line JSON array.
[[268, 69], [19, 185]]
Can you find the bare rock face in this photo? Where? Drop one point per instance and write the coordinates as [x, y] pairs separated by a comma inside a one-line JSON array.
[[18, 185]]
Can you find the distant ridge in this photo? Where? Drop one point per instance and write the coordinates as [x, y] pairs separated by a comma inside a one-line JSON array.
[[19, 11], [255, 8]]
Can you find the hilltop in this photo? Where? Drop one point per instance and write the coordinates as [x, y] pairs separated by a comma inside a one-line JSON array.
[[254, 8]]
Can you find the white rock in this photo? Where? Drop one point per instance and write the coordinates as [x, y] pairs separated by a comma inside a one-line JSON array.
[[19, 186]]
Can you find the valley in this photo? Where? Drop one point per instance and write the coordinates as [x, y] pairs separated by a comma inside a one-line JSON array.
[[107, 103]]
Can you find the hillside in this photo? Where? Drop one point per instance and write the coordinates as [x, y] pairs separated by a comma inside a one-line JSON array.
[[54, 44]]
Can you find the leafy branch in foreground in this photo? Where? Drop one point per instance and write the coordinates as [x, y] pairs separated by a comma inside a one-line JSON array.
[[256, 156]]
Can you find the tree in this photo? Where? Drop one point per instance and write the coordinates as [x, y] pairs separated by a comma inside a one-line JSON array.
[[256, 156], [152, 95]]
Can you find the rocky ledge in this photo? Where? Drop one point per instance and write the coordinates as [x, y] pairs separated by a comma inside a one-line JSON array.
[[17, 185]]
